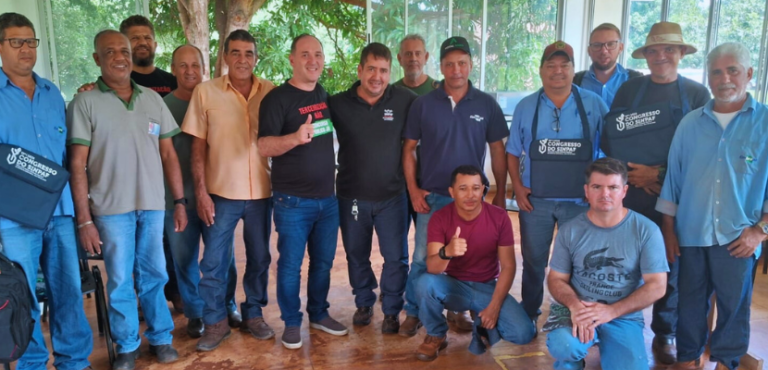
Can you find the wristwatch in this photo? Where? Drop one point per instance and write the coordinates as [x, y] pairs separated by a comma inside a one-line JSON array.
[[762, 225], [442, 254], [180, 201]]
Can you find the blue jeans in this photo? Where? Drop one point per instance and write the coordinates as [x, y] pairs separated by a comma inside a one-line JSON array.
[[620, 341], [702, 272], [185, 249], [311, 225], [536, 231], [389, 218], [218, 252], [664, 323], [56, 249], [439, 292], [133, 250], [419, 260]]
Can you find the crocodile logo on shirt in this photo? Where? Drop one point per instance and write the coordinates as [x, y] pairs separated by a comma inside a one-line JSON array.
[[12, 157], [595, 261]]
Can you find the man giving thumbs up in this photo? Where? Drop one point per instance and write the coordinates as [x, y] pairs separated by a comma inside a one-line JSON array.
[[471, 266]]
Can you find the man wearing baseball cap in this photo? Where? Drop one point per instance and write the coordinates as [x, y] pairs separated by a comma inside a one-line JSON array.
[[454, 123], [554, 136], [638, 130]]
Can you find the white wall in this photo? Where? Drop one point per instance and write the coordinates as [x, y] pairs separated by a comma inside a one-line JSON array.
[[575, 30], [29, 8]]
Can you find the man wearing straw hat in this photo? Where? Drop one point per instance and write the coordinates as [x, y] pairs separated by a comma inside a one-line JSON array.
[[638, 130]]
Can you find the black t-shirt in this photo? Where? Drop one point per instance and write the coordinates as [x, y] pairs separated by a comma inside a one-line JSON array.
[[698, 95], [308, 170], [370, 143], [158, 81]]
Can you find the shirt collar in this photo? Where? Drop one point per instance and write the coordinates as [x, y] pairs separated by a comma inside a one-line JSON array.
[[102, 86], [354, 95], [620, 70], [471, 92], [255, 84], [708, 110], [548, 102], [39, 82]]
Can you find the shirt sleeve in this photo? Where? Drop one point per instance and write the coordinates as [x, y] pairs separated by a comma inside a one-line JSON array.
[[168, 126], [506, 236], [79, 124], [653, 255], [436, 229], [497, 125], [196, 120], [271, 115], [670, 191], [413, 123], [515, 141], [561, 255]]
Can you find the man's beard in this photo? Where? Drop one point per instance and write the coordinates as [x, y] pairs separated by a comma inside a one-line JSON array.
[[605, 68], [144, 62]]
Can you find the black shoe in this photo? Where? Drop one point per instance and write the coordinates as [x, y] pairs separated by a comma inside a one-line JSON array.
[[126, 361], [535, 329], [165, 353], [234, 319], [664, 350], [362, 316], [195, 328], [391, 324]]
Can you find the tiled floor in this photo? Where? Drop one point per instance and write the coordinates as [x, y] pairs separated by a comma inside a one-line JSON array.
[[366, 348]]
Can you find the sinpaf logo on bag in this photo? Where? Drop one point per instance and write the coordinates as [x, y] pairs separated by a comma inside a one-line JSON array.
[[635, 120], [557, 147], [26, 162]]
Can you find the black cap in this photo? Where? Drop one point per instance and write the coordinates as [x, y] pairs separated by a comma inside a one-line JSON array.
[[454, 43]]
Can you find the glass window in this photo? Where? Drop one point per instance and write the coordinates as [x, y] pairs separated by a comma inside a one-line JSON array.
[[742, 21], [429, 18], [467, 22], [692, 15], [642, 15], [388, 22], [75, 23]]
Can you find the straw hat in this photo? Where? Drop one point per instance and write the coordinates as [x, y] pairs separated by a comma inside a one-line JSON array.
[[664, 33]]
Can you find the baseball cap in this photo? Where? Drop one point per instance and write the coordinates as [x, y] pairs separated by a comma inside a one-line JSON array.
[[557, 47], [454, 43]]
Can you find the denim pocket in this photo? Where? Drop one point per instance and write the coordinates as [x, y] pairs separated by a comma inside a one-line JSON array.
[[285, 201]]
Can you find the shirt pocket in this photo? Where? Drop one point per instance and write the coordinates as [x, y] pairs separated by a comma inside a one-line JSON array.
[[746, 157], [153, 126]]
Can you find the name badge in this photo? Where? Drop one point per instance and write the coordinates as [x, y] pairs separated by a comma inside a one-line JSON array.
[[154, 129], [322, 127]]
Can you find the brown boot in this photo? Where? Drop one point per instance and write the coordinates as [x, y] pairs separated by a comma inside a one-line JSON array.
[[432, 345], [664, 350], [461, 319], [214, 335], [258, 328], [410, 326], [697, 364]]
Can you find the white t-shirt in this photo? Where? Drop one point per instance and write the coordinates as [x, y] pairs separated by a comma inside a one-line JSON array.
[[725, 118]]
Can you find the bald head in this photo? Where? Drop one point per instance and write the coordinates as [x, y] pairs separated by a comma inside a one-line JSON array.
[[113, 55]]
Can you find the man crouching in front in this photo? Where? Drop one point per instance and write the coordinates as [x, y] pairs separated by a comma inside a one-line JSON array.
[[471, 266]]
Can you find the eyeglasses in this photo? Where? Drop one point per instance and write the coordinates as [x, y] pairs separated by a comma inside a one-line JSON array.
[[556, 123], [610, 45], [17, 43]]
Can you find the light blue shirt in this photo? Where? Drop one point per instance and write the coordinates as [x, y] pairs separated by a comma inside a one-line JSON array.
[[717, 180], [520, 135], [608, 90], [37, 125]]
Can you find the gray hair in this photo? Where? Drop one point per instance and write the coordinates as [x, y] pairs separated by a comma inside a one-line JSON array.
[[104, 33], [734, 49], [411, 37]]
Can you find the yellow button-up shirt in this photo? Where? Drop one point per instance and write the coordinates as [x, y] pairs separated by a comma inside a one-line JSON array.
[[229, 123]]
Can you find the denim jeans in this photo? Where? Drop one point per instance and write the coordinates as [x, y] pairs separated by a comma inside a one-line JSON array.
[[185, 249], [664, 323], [217, 257], [536, 231], [311, 225], [55, 248], [702, 272], [439, 292], [419, 260], [389, 218], [133, 250], [620, 341]]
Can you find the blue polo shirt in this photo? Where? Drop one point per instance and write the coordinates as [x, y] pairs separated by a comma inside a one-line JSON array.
[[608, 90], [451, 137], [520, 135], [717, 180], [37, 125]]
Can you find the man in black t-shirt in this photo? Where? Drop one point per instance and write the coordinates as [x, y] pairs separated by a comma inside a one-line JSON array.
[[295, 129], [369, 119], [141, 34], [639, 130]]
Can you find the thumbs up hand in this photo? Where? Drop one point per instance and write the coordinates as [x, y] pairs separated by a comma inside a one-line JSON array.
[[306, 131], [458, 245]]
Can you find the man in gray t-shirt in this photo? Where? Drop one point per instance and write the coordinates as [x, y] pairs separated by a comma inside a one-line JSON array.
[[607, 265]]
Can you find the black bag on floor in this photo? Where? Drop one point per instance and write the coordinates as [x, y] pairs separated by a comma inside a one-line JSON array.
[[16, 323]]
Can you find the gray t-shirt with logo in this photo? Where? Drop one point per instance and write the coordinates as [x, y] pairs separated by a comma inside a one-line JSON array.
[[606, 264]]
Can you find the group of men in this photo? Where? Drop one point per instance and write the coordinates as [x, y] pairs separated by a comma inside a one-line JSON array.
[[210, 143]]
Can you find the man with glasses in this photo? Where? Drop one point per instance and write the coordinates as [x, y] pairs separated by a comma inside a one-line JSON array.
[[638, 131], [33, 119], [605, 75], [554, 136]]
